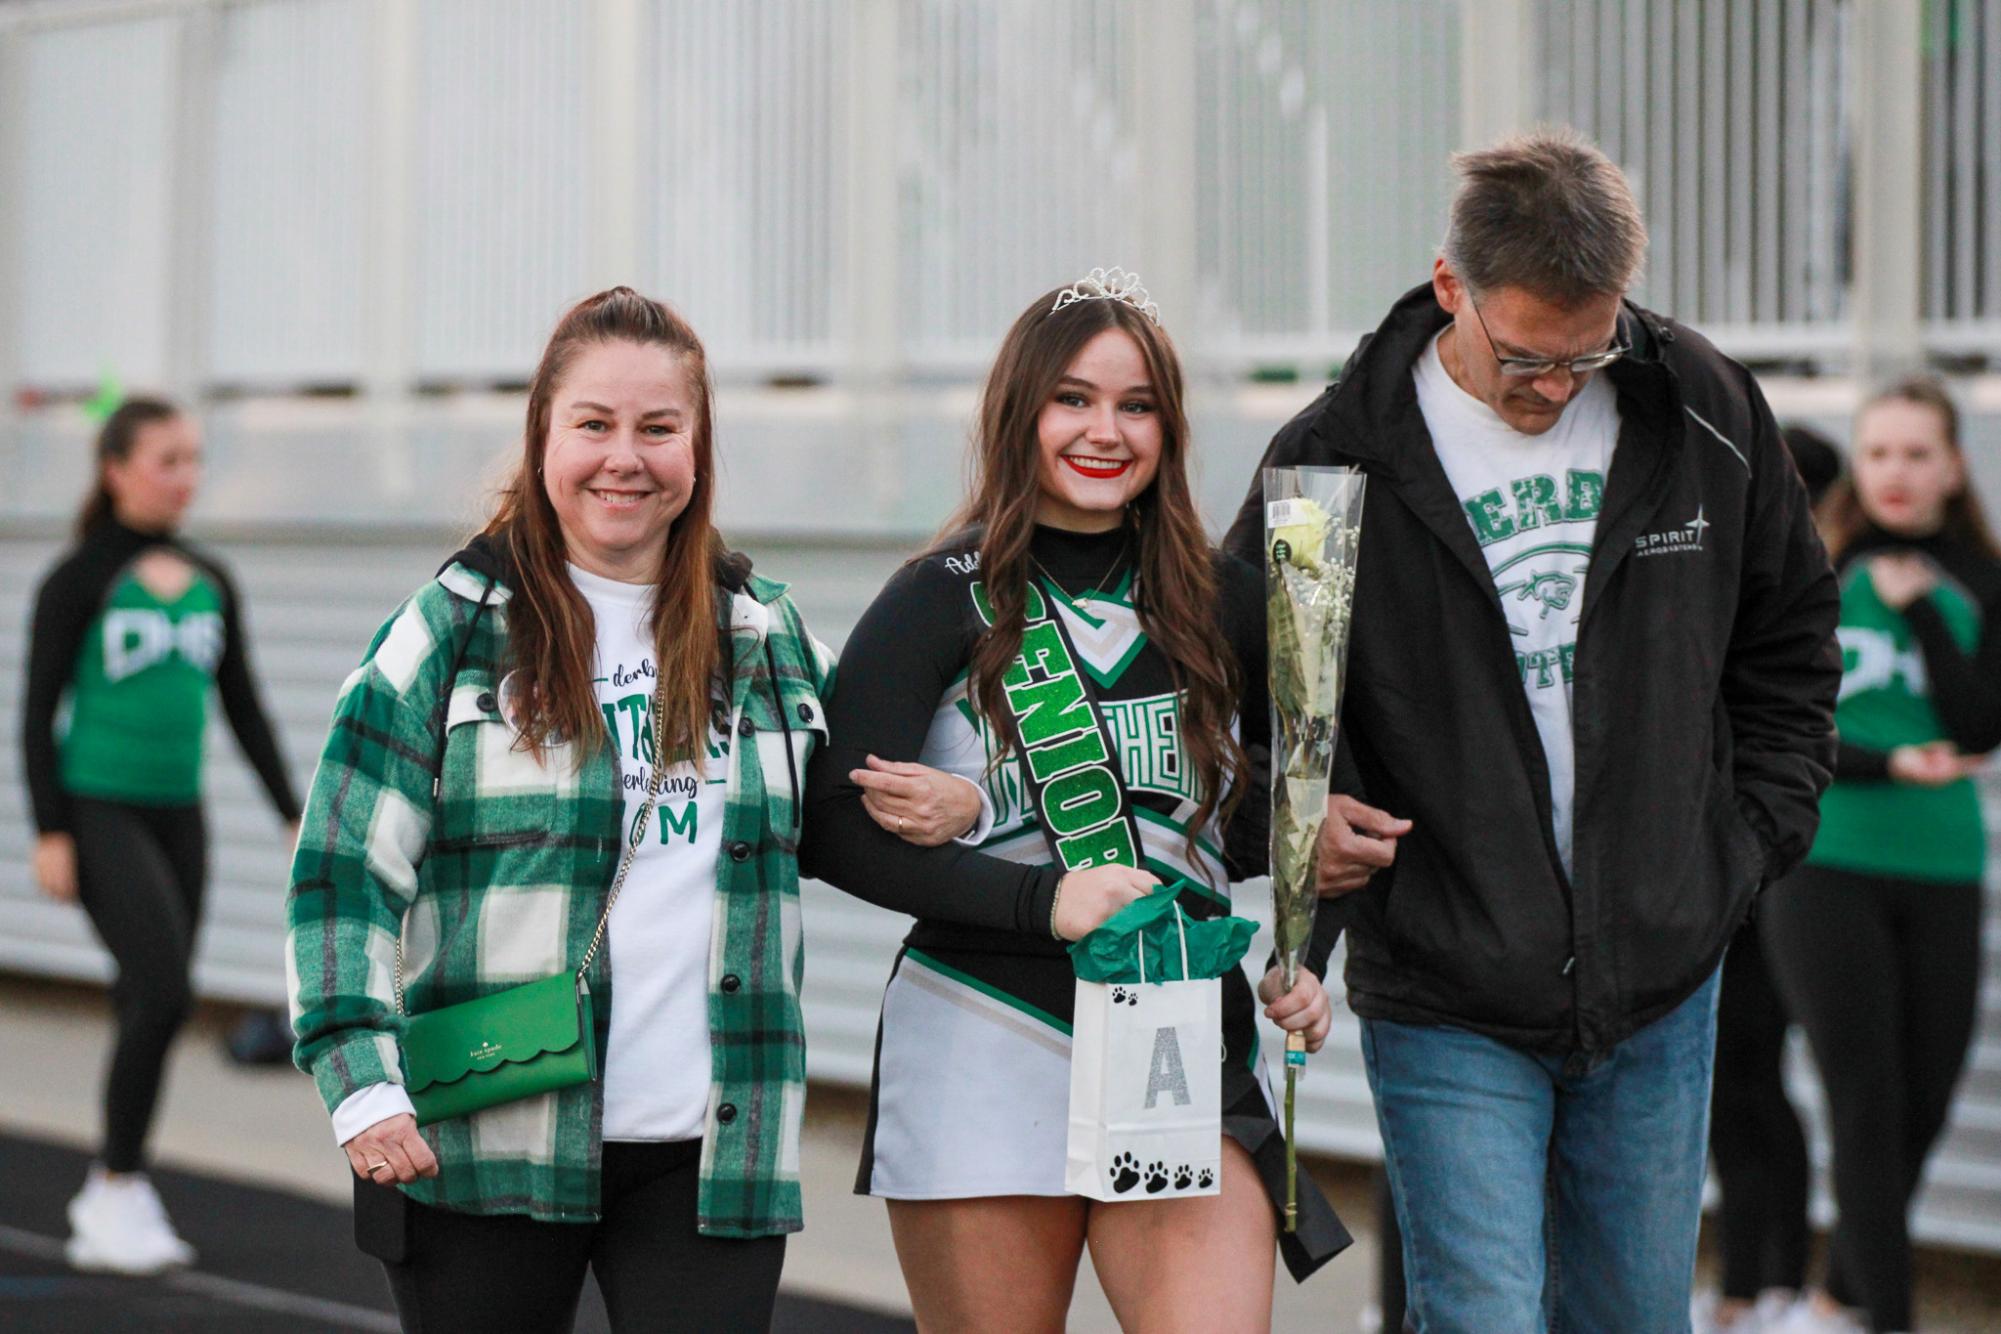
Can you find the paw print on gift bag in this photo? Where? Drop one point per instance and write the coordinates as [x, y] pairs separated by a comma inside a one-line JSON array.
[[1125, 1173], [1206, 1180], [1125, 996], [1156, 1178], [1184, 1177]]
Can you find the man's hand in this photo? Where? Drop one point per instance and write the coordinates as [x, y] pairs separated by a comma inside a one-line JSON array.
[[1304, 1009], [391, 1150], [1356, 842]]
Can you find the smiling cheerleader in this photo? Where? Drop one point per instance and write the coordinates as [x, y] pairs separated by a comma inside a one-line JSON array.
[[1083, 506]]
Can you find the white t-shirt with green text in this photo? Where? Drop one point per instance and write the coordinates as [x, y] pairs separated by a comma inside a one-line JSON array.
[[1532, 502], [657, 1066]]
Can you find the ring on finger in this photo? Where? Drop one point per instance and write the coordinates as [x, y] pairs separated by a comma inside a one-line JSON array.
[[377, 1166], [899, 824]]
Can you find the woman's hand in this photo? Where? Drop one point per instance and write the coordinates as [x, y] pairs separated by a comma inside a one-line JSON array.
[[1933, 764], [55, 866], [391, 1150], [917, 803], [1304, 1009], [1901, 579], [1084, 899]]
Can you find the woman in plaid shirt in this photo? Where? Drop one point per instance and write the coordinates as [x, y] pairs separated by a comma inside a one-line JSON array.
[[486, 766]]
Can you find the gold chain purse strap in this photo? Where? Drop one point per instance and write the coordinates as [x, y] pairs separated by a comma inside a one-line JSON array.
[[625, 862]]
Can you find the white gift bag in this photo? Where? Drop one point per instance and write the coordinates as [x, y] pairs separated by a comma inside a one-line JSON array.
[[1146, 1087]]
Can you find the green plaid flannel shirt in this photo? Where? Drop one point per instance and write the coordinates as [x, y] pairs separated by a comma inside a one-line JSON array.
[[500, 879]]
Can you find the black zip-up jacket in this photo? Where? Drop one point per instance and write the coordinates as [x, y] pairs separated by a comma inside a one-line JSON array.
[[1702, 703]]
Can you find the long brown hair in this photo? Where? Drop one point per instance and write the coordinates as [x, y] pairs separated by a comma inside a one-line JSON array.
[[1842, 518], [115, 440], [1175, 582], [551, 635]]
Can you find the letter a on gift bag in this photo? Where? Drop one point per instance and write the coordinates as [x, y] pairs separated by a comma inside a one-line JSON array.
[[1146, 1116]]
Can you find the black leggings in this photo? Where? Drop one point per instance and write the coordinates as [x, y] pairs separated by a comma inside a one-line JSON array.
[[139, 872], [1884, 975], [1754, 1133], [509, 1271]]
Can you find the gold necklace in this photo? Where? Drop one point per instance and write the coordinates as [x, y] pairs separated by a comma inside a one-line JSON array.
[[1096, 589]]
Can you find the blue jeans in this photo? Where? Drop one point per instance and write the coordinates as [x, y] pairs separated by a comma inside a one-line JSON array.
[[1536, 1192]]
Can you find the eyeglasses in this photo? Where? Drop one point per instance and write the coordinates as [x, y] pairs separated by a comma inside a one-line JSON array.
[[1534, 368]]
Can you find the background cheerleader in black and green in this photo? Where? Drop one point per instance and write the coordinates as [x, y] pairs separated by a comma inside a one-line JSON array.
[[132, 630], [1875, 942]]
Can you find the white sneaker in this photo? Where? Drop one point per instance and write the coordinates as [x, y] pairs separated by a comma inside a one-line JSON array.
[[1803, 1317], [149, 1199], [1703, 1317], [1773, 1304], [119, 1226]]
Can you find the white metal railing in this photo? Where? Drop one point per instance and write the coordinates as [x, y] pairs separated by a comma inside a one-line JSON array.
[[268, 194], [91, 202], [1019, 160], [1731, 122], [1324, 133], [1962, 173], [741, 202], [290, 188], [502, 169]]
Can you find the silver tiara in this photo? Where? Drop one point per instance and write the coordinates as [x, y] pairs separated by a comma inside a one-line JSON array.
[[1113, 284]]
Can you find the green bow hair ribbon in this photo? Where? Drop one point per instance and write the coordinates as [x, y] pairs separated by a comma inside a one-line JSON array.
[[110, 393]]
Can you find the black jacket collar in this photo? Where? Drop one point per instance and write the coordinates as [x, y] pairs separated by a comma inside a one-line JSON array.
[[1374, 417]]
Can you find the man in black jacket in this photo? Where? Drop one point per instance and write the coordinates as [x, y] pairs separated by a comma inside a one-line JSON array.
[[1588, 714]]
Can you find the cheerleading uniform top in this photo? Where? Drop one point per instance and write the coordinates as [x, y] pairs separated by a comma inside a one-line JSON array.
[[1930, 672], [136, 669], [903, 693]]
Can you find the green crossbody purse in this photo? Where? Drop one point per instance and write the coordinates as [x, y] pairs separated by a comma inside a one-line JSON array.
[[528, 1040]]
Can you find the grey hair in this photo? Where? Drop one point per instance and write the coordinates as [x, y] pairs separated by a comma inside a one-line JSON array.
[[1547, 212]]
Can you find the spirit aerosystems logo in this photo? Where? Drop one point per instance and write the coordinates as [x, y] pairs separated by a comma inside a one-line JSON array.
[[1688, 537]]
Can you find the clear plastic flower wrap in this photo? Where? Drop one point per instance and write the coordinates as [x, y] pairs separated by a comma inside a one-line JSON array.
[[1313, 531]]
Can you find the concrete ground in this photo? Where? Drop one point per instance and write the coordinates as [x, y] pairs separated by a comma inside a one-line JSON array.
[[264, 1126]]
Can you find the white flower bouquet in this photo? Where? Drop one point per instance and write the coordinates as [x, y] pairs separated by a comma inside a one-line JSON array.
[[1313, 528]]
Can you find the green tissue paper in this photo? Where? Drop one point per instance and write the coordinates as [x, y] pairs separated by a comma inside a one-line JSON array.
[[1111, 953]]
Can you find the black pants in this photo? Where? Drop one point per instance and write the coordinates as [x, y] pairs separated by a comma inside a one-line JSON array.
[[140, 871], [1884, 975], [1754, 1133], [476, 1272], [1392, 1296]]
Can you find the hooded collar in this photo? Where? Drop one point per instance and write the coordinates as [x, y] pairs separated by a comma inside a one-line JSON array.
[[1374, 420], [489, 558], [1374, 417]]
